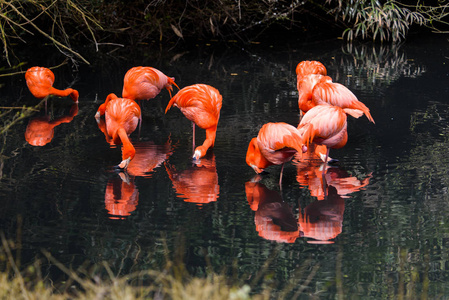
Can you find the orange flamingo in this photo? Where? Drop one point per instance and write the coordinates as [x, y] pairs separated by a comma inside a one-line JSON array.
[[316, 89], [275, 144], [121, 117], [274, 218], [197, 184], [308, 67], [121, 198], [40, 83], [40, 130], [201, 104], [325, 125], [144, 83]]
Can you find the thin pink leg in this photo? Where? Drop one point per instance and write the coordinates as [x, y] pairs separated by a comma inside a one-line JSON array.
[[280, 178], [193, 142]]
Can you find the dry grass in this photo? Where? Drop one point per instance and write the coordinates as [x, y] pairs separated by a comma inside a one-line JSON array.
[[49, 19], [173, 282]]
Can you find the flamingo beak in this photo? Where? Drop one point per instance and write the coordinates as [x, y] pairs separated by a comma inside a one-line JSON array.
[[124, 164], [97, 116], [197, 155]]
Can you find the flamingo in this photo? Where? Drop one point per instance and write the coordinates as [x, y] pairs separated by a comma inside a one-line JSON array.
[[308, 67], [201, 104], [324, 125], [275, 144], [316, 89], [144, 83], [40, 130], [122, 116], [40, 83]]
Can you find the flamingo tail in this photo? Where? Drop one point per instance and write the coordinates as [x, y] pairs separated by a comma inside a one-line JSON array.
[[308, 134], [171, 81], [170, 104], [359, 106]]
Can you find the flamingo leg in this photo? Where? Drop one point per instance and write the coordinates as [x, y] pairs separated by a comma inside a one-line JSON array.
[[140, 118], [193, 142], [325, 162], [280, 178], [324, 181]]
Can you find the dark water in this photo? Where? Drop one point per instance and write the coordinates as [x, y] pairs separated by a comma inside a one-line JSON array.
[[378, 229]]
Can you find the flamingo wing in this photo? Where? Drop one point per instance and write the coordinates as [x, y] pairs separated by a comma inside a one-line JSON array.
[[121, 113], [39, 81], [142, 83], [338, 95], [278, 142], [199, 103], [324, 124]]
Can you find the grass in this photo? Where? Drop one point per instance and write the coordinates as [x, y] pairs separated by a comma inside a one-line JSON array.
[[172, 281]]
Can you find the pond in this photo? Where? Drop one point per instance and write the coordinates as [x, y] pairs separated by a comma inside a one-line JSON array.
[[377, 229]]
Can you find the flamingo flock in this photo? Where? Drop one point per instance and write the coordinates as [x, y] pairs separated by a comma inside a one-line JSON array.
[[323, 106]]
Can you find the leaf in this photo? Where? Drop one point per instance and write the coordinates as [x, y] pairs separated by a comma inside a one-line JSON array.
[[176, 31]]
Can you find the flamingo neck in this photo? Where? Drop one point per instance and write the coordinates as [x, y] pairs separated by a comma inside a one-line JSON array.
[[201, 151], [64, 93]]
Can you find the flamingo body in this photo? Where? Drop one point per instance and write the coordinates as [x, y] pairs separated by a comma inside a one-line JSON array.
[[275, 144], [325, 125], [122, 117], [144, 83], [40, 83], [318, 89], [201, 104]]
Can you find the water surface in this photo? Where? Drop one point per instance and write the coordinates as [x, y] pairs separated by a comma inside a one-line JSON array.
[[377, 229]]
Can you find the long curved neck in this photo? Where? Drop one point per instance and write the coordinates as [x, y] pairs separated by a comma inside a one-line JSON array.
[[208, 142], [128, 150], [64, 93]]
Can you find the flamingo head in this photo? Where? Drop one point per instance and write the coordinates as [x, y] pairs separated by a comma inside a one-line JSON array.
[[200, 151], [124, 163], [74, 95], [128, 153], [170, 82], [100, 112], [254, 157]]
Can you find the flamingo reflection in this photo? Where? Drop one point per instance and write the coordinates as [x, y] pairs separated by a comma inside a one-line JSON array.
[[148, 157], [197, 184], [322, 220], [40, 130], [310, 174], [121, 197], [274, 218]]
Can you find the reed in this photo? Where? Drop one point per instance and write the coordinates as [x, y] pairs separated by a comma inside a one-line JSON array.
[[48, 19], [171, 281]]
